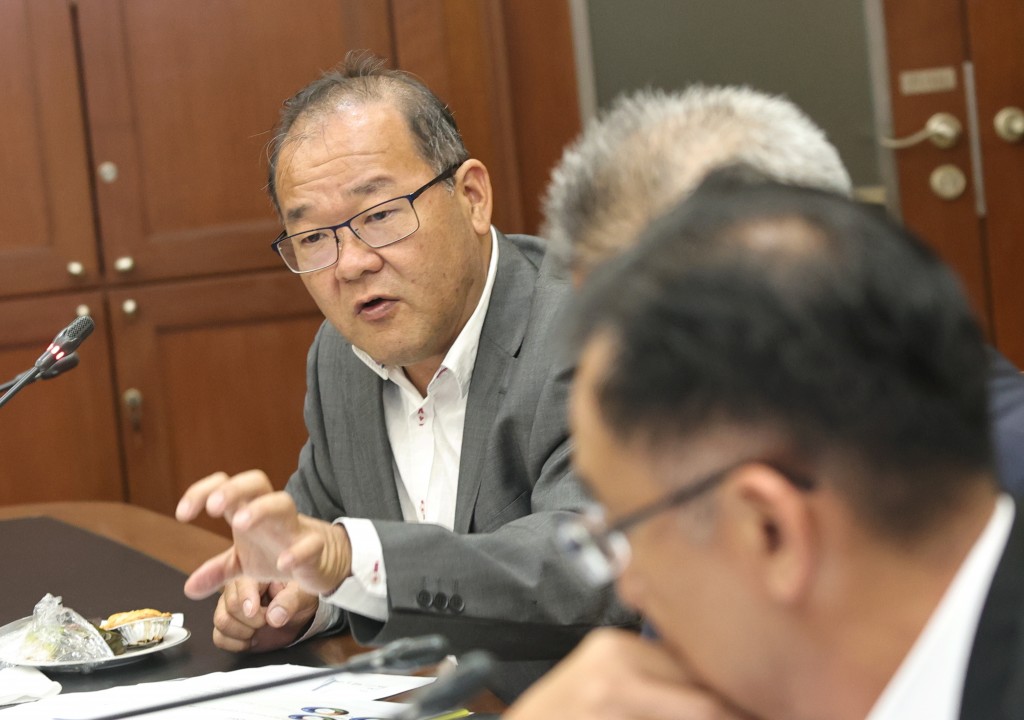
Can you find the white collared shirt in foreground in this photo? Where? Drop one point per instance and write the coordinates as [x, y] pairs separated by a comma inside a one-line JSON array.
[[929, 682]]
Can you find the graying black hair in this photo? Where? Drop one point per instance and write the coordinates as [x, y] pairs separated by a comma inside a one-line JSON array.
[[365, 78], [653, 147]]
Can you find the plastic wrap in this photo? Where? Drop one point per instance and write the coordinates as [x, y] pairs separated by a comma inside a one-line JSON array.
[[59, 634]]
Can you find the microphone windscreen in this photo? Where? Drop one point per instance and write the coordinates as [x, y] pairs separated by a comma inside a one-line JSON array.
[[79, 330]]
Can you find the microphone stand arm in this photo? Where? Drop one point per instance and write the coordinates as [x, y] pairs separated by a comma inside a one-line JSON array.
[[17, 384]]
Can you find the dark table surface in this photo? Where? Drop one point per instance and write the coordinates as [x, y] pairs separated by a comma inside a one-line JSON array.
[[85, 552], [96, 577]]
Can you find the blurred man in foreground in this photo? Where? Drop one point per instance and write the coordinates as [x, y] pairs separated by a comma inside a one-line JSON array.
[[780, 404]]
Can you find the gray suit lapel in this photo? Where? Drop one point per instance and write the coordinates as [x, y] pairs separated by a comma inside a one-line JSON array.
[[502, 335], [375, 477]]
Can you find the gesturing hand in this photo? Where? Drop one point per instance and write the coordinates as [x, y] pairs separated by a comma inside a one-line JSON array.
[[272, 540]]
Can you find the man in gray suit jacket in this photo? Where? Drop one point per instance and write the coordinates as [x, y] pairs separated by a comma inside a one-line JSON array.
[[437, 462]]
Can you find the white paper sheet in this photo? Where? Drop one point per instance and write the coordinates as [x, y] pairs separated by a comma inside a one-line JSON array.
[[353, 697]]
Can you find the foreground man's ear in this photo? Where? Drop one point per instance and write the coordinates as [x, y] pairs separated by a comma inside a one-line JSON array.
[[773, 531]]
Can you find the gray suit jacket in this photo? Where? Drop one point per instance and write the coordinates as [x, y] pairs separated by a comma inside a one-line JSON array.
[[496, 582]]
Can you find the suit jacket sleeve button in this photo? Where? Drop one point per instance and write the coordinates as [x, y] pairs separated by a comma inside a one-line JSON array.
[[456, 604], [423, 598], [441, 601]]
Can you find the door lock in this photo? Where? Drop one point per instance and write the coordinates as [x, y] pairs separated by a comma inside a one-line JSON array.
[[948, 182]]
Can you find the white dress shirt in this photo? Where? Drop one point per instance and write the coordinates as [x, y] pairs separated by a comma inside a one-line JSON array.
[[425, 434], [929, 682]]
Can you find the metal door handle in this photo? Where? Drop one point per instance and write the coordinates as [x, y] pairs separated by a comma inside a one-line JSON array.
[[1009, 123], [942, 129]]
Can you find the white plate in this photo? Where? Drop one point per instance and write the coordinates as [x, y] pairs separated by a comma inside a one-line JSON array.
[[175, 636]]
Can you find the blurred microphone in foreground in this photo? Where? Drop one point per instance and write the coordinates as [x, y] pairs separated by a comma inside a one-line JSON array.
[[452, 690]]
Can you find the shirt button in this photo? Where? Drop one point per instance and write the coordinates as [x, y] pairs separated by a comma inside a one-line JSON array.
[[423, 598], [441, 601]]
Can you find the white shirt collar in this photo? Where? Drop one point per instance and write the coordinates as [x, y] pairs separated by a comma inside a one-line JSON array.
[[929, 682], [461, 356]]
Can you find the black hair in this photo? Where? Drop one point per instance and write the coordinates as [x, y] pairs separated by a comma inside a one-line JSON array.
[[366, 78], [802, 313]]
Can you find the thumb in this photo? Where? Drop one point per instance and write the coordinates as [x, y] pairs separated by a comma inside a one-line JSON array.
[[212, 574], [291, 605]]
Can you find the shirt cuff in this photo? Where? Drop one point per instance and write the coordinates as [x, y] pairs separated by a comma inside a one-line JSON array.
[[326, 618], [366, 591]]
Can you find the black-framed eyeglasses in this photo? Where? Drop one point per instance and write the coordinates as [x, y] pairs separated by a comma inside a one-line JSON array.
[[601, 552], [383, 224]]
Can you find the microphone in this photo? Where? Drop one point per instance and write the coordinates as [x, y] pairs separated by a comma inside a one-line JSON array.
[[67, 341], [404, 654], [452, 690], [68, 362]]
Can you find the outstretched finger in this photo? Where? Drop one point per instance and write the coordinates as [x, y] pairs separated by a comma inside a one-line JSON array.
[[212, 574], [195, 497]]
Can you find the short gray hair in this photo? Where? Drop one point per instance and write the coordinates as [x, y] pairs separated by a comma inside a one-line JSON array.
[[653, 147]]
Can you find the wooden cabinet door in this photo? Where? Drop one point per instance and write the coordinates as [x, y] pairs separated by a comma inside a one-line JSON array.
[[182, 96], [217, 370], [46, 219], [60, 435]]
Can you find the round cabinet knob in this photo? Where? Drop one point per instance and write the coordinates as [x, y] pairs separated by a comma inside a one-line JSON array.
[[76, 269], [132, 399], [948, 182], [82, 310], [124, 264], [107, 172], [1009, 123], [130, 307]]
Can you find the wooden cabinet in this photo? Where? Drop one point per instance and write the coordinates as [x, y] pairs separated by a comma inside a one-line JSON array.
[[136, 188], [215, 370], [58, 438], [181, 97], [46, 215]]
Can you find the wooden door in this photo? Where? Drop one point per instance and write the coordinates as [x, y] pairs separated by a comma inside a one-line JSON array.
[[59, 436], [506, 69], [964, 58], [211, 376], [182, 96], [996, 43], [47, 240]]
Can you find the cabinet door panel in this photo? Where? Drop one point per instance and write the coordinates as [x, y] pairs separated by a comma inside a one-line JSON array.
[[219, 365], [59, 435], [182, 97], [45, 206]]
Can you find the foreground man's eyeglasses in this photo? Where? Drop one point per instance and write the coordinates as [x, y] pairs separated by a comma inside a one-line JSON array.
[[601, 552]]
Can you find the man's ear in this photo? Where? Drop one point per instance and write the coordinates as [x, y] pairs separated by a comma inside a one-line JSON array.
[[473, 185], [773, 531]]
